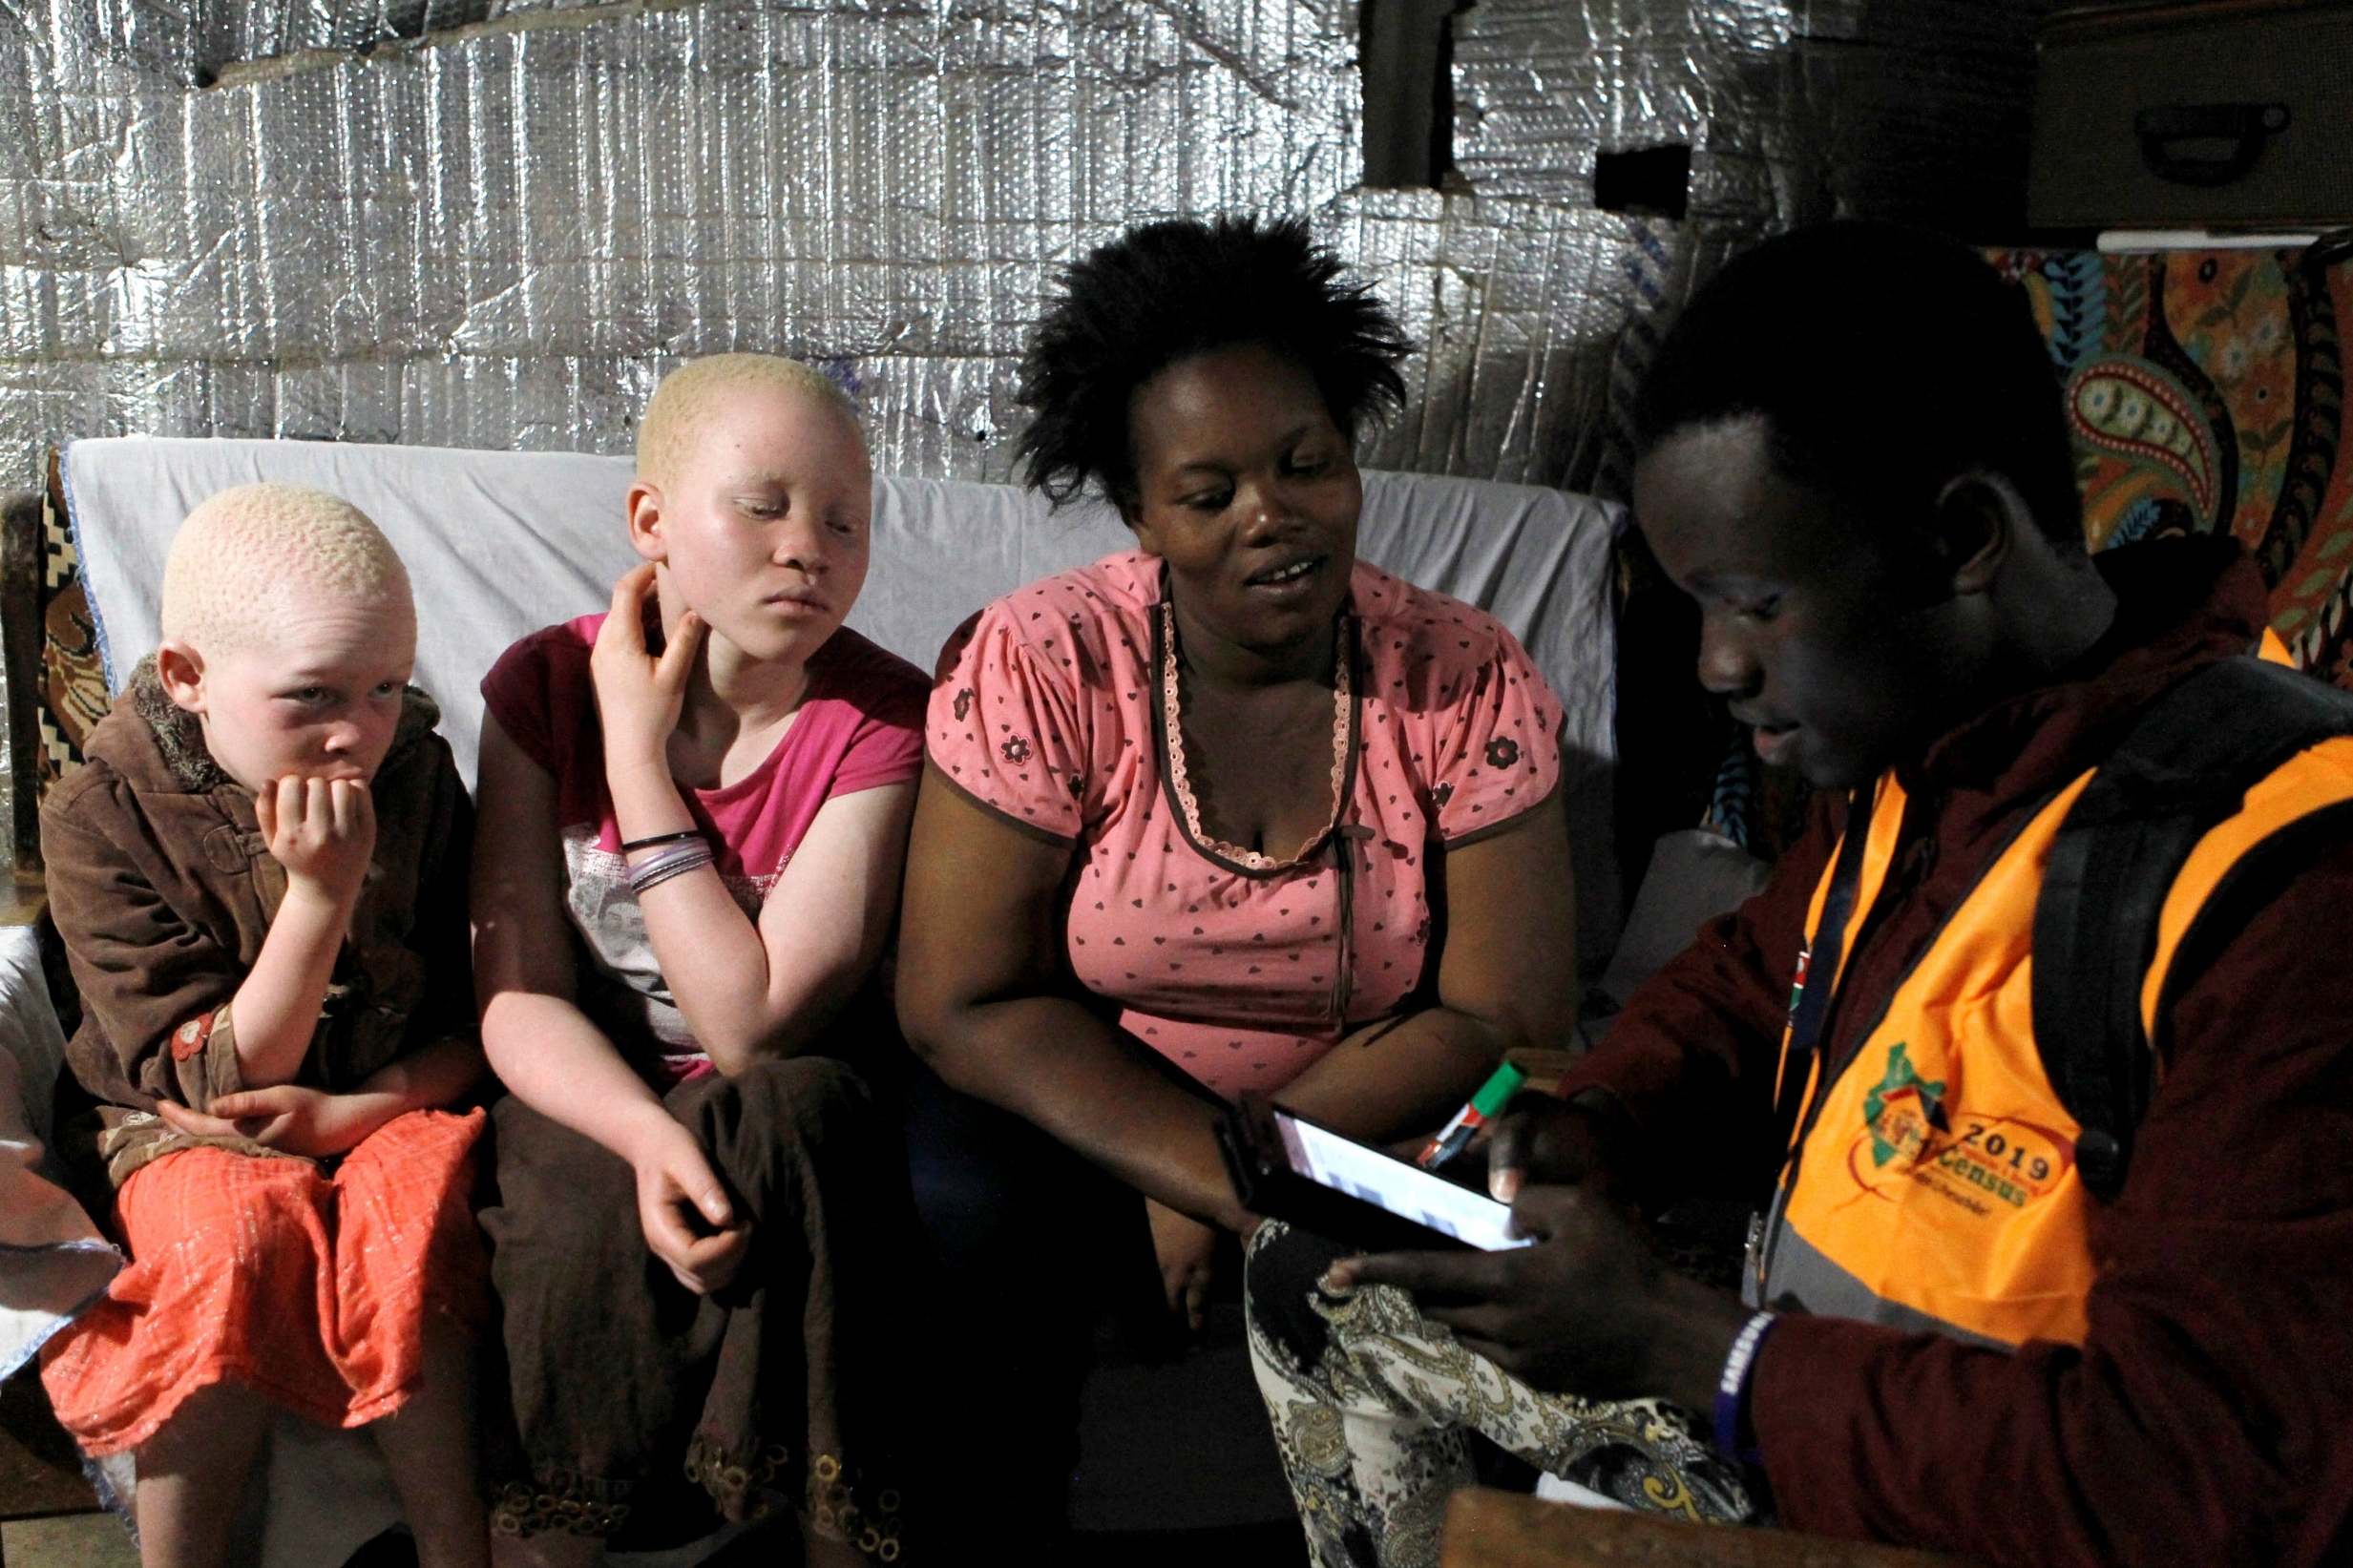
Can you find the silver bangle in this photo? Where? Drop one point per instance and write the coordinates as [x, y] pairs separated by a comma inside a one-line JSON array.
[[659, 868]]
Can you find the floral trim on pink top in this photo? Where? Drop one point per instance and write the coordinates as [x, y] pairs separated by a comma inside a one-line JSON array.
[[1343, 741]]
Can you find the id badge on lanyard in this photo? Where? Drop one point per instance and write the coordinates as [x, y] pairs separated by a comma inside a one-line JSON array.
[[1811, 985]]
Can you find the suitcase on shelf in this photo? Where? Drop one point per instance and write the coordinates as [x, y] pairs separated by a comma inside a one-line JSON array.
[[2230, 113]]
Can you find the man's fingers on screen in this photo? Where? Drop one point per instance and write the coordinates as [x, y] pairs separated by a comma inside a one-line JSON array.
[[1545, 1210], [1430, 1275], [1507, 1157]]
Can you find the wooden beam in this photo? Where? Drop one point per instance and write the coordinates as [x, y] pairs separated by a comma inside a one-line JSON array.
[[20, 658], [1490, 1528], [1404, 54]]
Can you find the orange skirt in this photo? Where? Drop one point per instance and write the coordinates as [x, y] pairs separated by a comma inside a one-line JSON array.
[[309, 1286]]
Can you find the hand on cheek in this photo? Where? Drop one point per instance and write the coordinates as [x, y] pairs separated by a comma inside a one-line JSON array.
[[639, 693]]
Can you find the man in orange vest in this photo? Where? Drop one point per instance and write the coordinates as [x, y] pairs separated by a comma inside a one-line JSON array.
[[1981, 1314]]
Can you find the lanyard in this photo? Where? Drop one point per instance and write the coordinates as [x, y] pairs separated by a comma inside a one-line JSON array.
[[1809, 1008]]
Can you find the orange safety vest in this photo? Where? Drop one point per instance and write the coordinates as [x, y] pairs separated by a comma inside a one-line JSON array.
[[1931, 1183]]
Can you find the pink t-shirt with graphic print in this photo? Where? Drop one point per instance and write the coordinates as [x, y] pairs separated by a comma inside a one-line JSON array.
[[1049, 711], [859, 726]]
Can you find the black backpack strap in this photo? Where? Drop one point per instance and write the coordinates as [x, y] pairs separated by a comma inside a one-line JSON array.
[[2257, 877], [2185, 766]]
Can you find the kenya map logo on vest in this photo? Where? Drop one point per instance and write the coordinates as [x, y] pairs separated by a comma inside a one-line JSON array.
[[1902, 1110], [1989, 1161]]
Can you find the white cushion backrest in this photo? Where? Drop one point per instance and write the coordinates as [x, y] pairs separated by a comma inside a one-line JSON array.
[[499, 543]]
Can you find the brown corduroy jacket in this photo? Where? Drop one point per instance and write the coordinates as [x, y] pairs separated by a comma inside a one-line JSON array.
[[162, 887]]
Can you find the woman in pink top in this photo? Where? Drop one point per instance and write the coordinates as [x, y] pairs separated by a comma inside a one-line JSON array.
[[1233, 810]]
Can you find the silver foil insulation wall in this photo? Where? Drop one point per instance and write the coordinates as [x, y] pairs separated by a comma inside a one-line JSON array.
[[494, 222]]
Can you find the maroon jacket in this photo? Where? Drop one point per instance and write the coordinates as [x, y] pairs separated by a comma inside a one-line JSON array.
[[2208, 1418]]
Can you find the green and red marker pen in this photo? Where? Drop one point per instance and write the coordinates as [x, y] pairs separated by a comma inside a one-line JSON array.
[[1485, 1107]]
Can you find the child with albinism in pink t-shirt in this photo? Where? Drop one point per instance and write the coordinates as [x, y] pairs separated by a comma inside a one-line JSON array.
[[695, 810]]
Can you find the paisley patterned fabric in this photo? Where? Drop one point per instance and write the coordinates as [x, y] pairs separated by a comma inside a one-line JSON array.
[[2206, 392], [1373, 1405]]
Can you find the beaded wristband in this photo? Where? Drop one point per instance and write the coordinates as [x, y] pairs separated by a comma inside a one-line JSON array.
[[1732, 1389], [666, 863], [630, 846]]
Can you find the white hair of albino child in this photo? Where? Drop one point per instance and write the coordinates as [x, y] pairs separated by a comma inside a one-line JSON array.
[[246, 556], [687, 397]]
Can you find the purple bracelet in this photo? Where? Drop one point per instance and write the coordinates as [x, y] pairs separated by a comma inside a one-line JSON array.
[[663, 865], [1732, 1389]]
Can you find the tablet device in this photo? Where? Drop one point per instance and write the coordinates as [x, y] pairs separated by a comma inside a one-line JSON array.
[[1289, 1167]]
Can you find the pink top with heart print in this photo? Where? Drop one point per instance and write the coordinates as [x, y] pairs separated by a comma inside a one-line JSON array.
[[1049, 711]]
